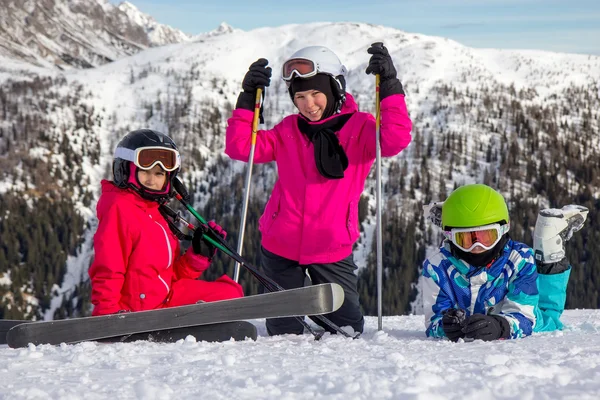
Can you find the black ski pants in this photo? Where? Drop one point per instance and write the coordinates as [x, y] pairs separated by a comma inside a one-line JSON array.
[[290, 274]]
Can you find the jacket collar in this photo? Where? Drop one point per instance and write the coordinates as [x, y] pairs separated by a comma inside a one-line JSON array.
[[110, 192]]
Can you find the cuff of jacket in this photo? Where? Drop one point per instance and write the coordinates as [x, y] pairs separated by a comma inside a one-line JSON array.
[[389, 87], [553, 268], [246, 101], [197, 262]]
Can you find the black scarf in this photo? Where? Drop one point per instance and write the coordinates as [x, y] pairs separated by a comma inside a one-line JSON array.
[[330, 157]]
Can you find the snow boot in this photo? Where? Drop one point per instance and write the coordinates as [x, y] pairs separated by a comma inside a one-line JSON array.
[[433, 212], [554, 227]]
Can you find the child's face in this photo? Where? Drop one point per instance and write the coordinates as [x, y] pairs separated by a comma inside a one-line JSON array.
[[311, 104], [153, 179]]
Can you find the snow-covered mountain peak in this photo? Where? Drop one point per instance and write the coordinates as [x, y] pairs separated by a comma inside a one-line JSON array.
[[134, 13], [77, 33], [224, 27], [158, 33]]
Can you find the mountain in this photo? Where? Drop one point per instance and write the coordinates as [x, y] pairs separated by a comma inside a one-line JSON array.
[[525, 122], [78, 33], [396, 363]]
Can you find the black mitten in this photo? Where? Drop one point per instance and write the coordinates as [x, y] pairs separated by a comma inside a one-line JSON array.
[[202, 246], [258, 76], [453, 321], [486, 327], [381, 63]]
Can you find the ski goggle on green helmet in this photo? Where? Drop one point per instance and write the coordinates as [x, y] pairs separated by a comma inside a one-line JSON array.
[[475, 215]]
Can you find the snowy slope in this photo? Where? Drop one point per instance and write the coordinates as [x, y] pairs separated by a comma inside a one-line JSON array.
[[398, 363]]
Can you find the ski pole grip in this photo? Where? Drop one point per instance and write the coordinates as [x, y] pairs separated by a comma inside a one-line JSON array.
[[180, 188]]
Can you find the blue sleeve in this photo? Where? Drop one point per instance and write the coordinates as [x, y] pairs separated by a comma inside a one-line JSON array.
[[519, 306], [435, 300], [553, 295]]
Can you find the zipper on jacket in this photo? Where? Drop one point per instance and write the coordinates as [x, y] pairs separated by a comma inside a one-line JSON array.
[[170, 252]]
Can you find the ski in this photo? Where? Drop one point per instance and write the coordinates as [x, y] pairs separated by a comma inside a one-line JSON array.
[[311, 300], [237, 330], [5, 325]]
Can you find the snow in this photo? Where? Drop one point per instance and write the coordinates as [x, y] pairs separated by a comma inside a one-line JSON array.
[[5, 276], [396, 363]]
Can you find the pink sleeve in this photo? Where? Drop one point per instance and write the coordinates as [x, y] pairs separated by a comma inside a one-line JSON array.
[[395, 128], [112, 247], [238, 139]]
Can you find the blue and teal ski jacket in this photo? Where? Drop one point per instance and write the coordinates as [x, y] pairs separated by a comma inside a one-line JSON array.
[[510, 287]]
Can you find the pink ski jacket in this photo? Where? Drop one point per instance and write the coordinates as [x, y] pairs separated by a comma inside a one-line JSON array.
[[137, 258], [309, 218]]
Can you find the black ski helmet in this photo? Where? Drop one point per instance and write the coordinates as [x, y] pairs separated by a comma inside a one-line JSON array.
[[125, 156]]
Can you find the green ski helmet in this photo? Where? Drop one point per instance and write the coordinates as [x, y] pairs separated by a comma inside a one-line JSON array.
[[474, 205]]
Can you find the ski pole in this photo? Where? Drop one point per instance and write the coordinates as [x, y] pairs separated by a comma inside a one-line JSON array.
[[269, 284], [236, 269], [378, 199]]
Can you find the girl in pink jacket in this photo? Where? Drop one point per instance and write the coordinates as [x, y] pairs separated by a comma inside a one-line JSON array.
[[137, 263], [323, 155]]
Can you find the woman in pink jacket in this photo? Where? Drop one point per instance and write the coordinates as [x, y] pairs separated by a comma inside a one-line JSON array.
[[137, 263], [323, 155]]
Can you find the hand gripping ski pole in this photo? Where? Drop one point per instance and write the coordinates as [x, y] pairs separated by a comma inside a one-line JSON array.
[[240, 245]]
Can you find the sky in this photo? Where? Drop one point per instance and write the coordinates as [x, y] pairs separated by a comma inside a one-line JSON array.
[[398, 362], [555, 25]]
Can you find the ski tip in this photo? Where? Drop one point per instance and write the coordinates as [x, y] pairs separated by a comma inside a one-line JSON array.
[[338, 296]]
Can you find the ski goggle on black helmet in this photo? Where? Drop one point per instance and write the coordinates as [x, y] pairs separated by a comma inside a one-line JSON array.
[[309, 61], [147, 157]]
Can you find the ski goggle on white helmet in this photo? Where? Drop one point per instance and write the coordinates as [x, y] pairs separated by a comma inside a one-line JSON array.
[[310, 61]]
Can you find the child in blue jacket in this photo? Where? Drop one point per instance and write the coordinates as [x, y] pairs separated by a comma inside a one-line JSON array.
[[484, 285]]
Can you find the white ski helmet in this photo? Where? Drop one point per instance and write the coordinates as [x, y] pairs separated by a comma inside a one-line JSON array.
[[312, 60]]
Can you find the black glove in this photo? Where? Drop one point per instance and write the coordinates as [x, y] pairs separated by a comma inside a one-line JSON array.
[[486, 327], [381, 63], [258, 76], [452, 322], [202, 246]]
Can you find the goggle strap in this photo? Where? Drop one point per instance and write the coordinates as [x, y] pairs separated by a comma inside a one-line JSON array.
[[125, 154]]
